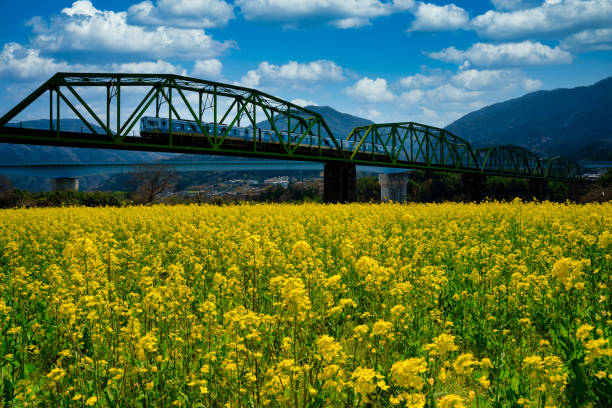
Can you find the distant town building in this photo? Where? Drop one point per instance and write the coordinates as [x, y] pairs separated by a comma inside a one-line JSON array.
[[594, 169], [282, 181]]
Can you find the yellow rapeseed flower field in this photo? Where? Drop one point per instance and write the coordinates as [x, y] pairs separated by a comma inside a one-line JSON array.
[[429, 305]]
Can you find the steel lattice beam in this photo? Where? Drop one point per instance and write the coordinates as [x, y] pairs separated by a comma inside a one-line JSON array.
[[416, 144], [174, 91]]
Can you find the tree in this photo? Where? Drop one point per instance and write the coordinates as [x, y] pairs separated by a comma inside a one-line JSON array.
[[368, 189], [151, 181], [6, 192]]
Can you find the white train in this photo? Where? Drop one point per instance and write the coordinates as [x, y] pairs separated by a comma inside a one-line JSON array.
[[153, 126]]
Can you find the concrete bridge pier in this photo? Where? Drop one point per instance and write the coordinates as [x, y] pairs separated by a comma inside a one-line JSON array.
[[65, 184], [339, 182], [394, 186], [538, 189], [474, 185]]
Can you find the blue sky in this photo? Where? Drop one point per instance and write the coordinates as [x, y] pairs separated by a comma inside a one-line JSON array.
[[400, 60]]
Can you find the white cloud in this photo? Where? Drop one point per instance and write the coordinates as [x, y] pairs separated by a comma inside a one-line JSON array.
[[250, 80], [292, 73], [552, 16], [148, 67], [303, 102], [182, 13], [340, 13], [589, 40], [530, 85], [412, 97], [20, 63], [371, 90], [372, 114], [321, 70], [80, 7], [462, 92], [449, 92], [208, 68], [476, 79], [507, 54], [514, 4], [429, 113], [26, 63], [473, 79], [430, 17], [83, 27], [421, 81]]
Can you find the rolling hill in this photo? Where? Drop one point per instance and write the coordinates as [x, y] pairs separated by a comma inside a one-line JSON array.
[[574, 122]]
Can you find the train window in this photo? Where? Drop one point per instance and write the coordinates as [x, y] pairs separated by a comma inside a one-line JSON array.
[[151, 123]]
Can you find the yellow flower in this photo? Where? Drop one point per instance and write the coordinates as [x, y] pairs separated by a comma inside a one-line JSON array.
[[301, 250], [381, 328], [407, 373], [442, 345], [484, 383], [464, 363], [595, 349], [91, 401], [414, 400], [360, 331], [451, 401], [604, 240], [534, 363], [56, 374], [485, 362], [365, 265], [364, 381], [328, 347], [583, 332], [567, 271]]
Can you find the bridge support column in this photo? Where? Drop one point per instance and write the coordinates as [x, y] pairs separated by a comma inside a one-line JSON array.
[[65, 184], [474, 185], [538, 189], [340, 182], [393, 186]]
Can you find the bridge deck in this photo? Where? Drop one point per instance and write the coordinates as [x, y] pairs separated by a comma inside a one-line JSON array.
[[233, 148]]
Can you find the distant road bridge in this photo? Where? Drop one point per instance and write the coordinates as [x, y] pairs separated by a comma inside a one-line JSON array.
[[65, 174], [73, 170], [187, 115]]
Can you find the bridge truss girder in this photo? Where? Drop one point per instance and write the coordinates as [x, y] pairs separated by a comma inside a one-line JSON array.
[[420, 145], [402, 145], [510, 159], [560, 167], [289, 123]]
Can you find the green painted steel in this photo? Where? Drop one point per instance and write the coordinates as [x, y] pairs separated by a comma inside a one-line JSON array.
[[560, 167], [518, 160], [296, 133], [412, 144], [510, 159]]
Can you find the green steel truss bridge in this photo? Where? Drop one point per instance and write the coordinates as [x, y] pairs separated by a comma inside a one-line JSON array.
[[204, 117]]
